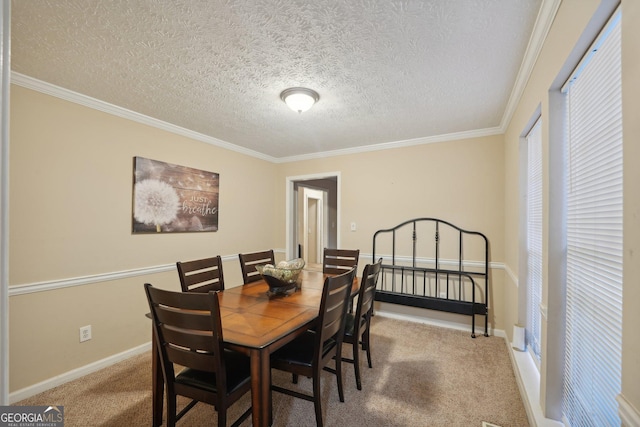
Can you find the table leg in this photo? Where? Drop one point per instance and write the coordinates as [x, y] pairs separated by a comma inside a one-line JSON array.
[[158, 383], [260, 387]]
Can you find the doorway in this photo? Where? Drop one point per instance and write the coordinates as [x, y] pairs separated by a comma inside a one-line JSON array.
[[313, 228], [312, 220]]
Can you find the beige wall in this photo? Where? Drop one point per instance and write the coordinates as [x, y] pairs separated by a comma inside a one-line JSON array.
[[71, 179], [569, 24], [70, 217], [631, 149], [458, 181], [71, 202]]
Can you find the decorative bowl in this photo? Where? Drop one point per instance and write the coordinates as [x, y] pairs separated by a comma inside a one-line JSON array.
[[283, 277]]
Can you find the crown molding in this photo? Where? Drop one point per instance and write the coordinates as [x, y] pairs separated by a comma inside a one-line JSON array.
[[546, 15], [396, 144], [96, 104]]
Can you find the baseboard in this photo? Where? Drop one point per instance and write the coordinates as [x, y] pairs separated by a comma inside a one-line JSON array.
[[629, 415], [528, 380], [442, 323], [27, 392]]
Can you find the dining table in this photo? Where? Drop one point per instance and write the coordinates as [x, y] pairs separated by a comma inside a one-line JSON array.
[[256, 323]]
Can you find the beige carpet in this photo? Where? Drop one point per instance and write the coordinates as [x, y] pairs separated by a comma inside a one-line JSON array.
[[422, 376]]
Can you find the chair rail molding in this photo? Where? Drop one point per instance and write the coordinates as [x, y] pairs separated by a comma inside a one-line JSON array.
[[50, 285], [629, 415]]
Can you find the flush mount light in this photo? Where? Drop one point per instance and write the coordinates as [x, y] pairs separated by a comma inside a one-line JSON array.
[[299, 99]]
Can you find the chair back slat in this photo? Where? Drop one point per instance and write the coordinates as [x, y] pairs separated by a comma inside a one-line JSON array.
[[190, 321], [201, 275], [188, 330], [333, 307], [194, 360], [366, 294], [249, 261], [338, 261], [189, 339]]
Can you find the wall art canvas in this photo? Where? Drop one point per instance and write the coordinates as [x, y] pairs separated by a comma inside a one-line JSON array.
[[168, 198]]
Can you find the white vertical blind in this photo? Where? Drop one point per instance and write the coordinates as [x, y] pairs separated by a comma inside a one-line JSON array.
[[594, 236], [534, 238]]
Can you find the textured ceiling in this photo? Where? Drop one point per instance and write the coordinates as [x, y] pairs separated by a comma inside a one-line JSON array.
[[386, 71]]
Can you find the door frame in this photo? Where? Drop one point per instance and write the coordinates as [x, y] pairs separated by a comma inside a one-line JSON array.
[[319, 196], [291, 206]]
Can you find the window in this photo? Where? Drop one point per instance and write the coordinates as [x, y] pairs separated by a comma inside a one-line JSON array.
[[592, 371], [534, 238]]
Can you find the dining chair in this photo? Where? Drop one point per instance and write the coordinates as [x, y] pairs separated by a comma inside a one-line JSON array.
[[309, 354], [358, 325], [249, 261], [188, 334], [201, 275], [337, 261]]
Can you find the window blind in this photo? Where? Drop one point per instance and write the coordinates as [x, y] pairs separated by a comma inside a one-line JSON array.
[[592, 376], [534, 238]]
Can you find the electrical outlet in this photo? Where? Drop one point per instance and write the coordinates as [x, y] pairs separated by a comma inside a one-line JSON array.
[[443, 294], [85, 333]]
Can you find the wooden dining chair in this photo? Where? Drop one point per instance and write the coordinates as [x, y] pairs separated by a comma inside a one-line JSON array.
[[337, 261], [188, 334], [201, 275], [358, 325], [310, 353], [249, 261]]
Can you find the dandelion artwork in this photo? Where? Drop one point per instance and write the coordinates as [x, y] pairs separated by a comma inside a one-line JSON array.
[[169, 198], [156, 203]]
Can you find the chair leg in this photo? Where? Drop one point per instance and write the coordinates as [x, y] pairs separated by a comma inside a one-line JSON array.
[[339, 375], [171, 410], [294, 378], [367, 343], [356, 365], [270, 397], [317, 400], [222, 417]]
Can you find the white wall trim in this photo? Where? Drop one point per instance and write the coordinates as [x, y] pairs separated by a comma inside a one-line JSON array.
[[50, 285], [96, 104], [290, 209], [546, 15], [74, 374], [629, 415], [478, 133], [105, 107], [528, 380], [511, 275], [443, 262], [5, 61], [435, 322], [86, 280]]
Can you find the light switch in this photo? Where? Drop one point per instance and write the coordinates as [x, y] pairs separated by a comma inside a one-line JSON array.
[[353, 226]]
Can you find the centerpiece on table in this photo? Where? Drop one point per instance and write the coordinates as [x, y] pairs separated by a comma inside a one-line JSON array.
[[283, 277]]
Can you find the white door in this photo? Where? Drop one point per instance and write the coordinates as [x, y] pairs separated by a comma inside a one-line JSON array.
[[312, 226]]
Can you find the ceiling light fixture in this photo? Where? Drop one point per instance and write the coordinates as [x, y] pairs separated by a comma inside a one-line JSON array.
[[299, 99]]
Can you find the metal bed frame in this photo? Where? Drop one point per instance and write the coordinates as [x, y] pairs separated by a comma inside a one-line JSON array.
[[434, 282]]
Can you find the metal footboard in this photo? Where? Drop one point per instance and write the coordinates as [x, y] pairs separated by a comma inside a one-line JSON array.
[[433, 264]]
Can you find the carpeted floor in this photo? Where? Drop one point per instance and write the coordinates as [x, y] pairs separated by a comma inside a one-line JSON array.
[[422, 376]]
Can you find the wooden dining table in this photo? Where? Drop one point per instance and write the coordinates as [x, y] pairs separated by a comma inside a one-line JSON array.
[[257, 324]]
